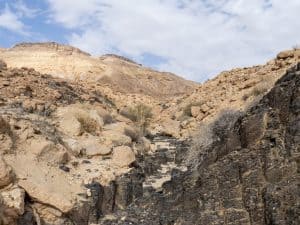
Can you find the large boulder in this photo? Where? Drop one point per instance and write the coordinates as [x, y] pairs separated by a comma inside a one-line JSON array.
[[48, 151], [93, 147], [285, 54], [123, 156], [115, 138]]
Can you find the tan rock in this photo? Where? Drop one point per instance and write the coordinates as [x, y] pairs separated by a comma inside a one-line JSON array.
[[123, 156], [13, 200], [71, 126], [285, 54], [73, 145], [44, 183], [5, 173], [195, 110], [93, 147], [115, 138], [49, 215], [48, 151], [204, 108]]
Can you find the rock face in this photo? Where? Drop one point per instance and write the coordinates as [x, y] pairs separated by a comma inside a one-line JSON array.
[[250, 176]]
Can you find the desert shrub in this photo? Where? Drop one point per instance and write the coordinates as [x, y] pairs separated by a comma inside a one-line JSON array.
[[140, 114], [4, 127], [107, 119], [210, 134], [187, 109], [88, 124], [258, 90], [134, 134]]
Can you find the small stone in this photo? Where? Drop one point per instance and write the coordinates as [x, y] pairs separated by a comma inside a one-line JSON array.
[[64, 168]]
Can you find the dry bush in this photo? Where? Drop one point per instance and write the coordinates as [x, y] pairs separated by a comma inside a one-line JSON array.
[[258, 90], [4, 127], [186, 112], [210, 135], [134, 134], [88, 124], [107, 119], [140, 114]]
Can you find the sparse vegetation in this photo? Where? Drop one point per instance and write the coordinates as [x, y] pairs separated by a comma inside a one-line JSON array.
[[140, 114], [258, 90], [107, 118], [88, 124], [4, 127], [133, 134], [187, 109]]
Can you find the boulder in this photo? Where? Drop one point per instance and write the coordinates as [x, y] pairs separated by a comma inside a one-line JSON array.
[[123, 156], [195, 110], [5, 173], [93, 147], [48, 151], [73, 145], [285, 54], [115, 138], [71, 126]]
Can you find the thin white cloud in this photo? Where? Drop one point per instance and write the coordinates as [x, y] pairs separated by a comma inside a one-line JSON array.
[[22, 10], [198, 38], [11, 21]]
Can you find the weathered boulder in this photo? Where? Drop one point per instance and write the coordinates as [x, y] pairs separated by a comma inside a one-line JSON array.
[[71, 126], [123, 156], [48, 151], [93, 146], [195, 110], [285, 54], [115, 138]]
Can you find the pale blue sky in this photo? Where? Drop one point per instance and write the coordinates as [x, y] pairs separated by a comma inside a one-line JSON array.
[[193, 38]]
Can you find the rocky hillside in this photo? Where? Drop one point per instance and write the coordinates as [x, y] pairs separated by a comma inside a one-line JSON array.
[[57, 140], [102, 140], [247, 174], [119, 73], [236, 89]]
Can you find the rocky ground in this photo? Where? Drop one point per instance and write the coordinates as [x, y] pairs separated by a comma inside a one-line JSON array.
[[248, 175], [72, 153]]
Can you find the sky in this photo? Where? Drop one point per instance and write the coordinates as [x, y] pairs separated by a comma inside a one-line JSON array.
[[195, 39]]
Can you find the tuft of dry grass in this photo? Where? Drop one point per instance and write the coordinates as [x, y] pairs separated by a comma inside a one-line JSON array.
[[258, 90], [140, 114]]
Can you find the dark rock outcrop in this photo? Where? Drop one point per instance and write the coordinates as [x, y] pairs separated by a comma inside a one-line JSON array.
[[251, 177]]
